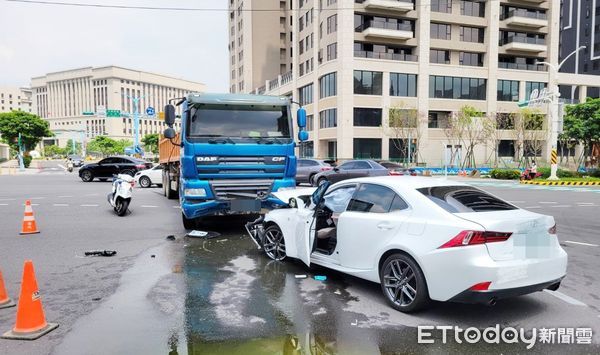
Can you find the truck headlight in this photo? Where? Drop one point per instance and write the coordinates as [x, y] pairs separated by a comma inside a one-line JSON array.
[[195, 192]]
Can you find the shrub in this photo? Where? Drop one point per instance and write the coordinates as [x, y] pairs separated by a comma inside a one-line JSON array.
[[560, 173], [26, 160], [505, 174]]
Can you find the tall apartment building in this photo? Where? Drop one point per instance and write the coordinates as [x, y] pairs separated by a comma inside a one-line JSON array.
[[354, 60], [259, 42], [15, 98], [580, 26], [87, 102]]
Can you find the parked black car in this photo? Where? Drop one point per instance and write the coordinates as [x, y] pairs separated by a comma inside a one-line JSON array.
[[397, 169], [351, 169], [105, 168]]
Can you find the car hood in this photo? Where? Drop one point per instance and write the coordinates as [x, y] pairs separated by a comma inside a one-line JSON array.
[[285, 195], [90, 165]]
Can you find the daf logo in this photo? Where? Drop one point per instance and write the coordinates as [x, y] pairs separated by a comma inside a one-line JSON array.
[[262, 194], [277, 159], [207, 159]]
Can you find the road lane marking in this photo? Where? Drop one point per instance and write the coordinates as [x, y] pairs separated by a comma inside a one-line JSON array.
[[565, 298], [581, 243], [91, 195], [516, 201], [560, 206], [149, 206], [89, 205], [3, 204], [587, 206], [60, 205], [65, 196], [547, 202], [530, 207], [176, 207], [7, 199], [585, 203], [37, 198], [62, 167]]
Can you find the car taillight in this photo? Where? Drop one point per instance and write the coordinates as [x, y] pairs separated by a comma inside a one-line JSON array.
[[552, 230], [141, 166], [482, 286], [132, 184], [395, 173], [465, 238], [326, 168]]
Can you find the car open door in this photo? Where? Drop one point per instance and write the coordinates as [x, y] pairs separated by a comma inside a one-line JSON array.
[[305, 228]]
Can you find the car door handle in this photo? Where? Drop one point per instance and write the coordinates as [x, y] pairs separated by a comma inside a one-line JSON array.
[[385, 226]]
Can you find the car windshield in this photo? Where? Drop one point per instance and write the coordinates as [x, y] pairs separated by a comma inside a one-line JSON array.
[[460, 199], [265, 124]]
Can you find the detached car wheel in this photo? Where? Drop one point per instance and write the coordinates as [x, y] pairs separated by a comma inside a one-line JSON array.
[[87, 176], [403, 283], [145, 182], [274, 243]]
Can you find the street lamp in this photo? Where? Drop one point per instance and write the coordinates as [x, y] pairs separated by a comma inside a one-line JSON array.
[[553, 111], [136, 121]]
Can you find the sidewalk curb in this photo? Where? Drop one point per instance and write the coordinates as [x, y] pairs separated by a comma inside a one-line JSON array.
[[562, 183]]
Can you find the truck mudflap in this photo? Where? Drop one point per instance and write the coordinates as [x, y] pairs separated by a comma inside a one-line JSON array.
[[256, 231]]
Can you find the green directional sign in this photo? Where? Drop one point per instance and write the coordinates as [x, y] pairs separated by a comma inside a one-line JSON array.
[[87, 113], [113, 113], [523, 103]]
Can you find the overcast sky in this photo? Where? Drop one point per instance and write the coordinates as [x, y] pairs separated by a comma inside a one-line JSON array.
[[36, 39]]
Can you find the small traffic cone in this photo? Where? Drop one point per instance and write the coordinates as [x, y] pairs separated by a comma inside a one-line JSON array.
[[5, 301], [31, 321], [29, 225]]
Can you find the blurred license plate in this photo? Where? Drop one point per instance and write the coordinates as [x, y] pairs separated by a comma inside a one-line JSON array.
[[245, 205]]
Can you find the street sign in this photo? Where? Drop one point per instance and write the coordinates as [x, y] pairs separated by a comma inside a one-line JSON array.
[[101, 111], [113, 113], [87, 113], [161, 115], [150, 111]]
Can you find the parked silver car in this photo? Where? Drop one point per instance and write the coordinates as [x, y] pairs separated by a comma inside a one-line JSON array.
[[306, 169], [351, 169]]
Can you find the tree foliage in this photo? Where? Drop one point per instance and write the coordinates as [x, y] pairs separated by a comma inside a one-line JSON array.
[[150, 141], [582, 122], [31, 127], [107, 146], [405, 123]]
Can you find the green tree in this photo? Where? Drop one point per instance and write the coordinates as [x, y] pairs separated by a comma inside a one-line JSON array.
[[31, 127], [51, 150], [582, 123], [151, 142], [69, 148]]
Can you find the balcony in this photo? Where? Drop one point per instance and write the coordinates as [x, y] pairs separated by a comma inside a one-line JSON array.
[[389, 5], [385, 55], [388, 30], [522, 66], [524, 44], [525, 18]]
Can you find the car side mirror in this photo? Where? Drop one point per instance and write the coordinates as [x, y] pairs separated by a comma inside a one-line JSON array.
[[169, 133], [169, 115], [336, 169]]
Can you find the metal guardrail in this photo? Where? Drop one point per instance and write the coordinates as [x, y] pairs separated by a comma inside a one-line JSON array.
[[384, 55]]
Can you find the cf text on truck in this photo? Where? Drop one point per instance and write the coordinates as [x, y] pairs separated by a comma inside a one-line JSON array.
[[232, 152]]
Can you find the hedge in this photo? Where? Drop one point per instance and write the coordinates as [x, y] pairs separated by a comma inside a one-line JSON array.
[[505, 174]]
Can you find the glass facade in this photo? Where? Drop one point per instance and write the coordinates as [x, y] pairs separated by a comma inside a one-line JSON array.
[[508, 90], [367, 148], [471, 59], [328, 118], [439, 56], [367, 82], [328, 85], [403, 84], [448, 87], [305, 94], [367, 117], [533, 85]]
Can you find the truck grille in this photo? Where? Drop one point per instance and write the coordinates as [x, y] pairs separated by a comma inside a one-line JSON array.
[[218, 167], [230, 189]]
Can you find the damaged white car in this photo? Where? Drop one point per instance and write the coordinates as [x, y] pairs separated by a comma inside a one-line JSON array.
[[421, 238]]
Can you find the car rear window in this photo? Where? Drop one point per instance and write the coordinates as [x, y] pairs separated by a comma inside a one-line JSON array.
[[460, 199]]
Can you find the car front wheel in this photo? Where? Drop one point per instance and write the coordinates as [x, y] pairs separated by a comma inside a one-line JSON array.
[[403, 283], [274, 243], [87, 176], [145, 182]]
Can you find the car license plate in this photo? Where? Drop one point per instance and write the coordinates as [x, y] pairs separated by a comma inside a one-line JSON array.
[[245, 205]]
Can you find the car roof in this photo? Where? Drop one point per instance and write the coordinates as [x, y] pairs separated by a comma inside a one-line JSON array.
[[404, 182]]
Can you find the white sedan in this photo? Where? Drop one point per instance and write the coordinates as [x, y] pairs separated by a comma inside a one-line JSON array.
[[421, 238], [149, 177]]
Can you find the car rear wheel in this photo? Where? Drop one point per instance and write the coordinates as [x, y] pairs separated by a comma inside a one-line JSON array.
[[403, 283], [321, 181], [274, 243], [145, 182], [87, 176], [310, 179]]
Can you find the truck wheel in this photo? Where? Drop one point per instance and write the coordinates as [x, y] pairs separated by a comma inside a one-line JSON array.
[[164, 183], [189, 223], [170, 193]]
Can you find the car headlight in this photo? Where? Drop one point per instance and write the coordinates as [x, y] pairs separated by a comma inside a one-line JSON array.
[[195, 192]]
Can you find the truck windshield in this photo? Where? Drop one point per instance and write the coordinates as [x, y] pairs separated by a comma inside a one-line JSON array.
[[266, 124]]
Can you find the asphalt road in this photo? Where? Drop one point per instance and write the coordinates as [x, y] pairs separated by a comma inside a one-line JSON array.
[[222, 295]]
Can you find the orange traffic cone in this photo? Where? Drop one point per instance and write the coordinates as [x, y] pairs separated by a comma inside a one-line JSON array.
[[29, 225], [31, 321], [5, 301]]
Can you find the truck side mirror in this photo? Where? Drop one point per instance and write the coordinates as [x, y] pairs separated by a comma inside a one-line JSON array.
[[169, 133], [302, 136], [169, 115], [301, 117]]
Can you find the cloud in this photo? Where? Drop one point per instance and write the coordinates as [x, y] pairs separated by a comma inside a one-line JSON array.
[[36, 39]]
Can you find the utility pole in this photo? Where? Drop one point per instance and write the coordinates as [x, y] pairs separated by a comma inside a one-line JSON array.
[[21, 163], [136, 122], [553, 119]]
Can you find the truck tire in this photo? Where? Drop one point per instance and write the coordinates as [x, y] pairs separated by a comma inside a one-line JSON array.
[[188, 223], [170, 193], [164, 183]]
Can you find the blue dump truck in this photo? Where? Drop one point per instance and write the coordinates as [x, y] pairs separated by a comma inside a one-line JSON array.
[[232, 152]]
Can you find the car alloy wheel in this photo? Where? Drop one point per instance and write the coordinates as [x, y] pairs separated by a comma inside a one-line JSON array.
[[321, 181], [274, 244], [145, 181], [87, 176], [400, 283]]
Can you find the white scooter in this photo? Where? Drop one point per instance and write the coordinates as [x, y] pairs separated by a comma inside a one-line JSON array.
[[120, 197]]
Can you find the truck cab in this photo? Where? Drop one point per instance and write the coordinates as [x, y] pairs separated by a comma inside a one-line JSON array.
[[234, 150]]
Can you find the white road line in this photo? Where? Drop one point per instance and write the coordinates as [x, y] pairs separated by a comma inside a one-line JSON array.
[[149, 206], [568, 299], [3, 204], [91, 195], [587, 206], [547, 202], [65, 196], [176, 207], [581, 243], [62, 167], [585, 203], [560, 206], [88, 205], [516, 201], [7, 199], [37, 198], [60, 205], [530, 207]]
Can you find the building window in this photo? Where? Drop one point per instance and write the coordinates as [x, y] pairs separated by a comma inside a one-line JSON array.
[[328, 85], [444, 6], [447, 87], [367, 82], [328, 118], [471, 34], [332, 51], [301, 46], [508, 90], [301, 69], [403, 84], [472, 8], [437, 119], [367, 148], [305, 94], [532, 85], [310, 123], [367, 117], [332, 24], [440, 31], [506, 148], [439, 56], [471, 59]]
